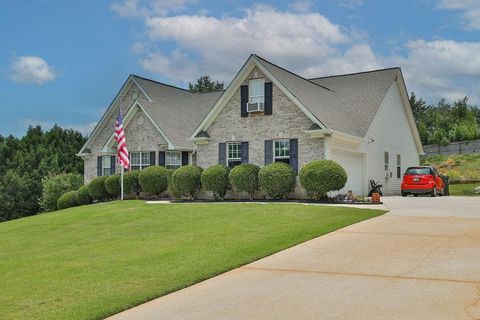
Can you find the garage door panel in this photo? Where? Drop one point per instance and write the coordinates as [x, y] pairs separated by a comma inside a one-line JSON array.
[[352, 162]]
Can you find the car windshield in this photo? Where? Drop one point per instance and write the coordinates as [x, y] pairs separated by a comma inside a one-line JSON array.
[[411, 171]]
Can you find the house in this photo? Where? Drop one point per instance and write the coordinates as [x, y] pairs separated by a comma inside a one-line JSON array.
[[267, 114]]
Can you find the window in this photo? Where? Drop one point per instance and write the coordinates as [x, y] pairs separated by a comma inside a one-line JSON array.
[[281, 151], [234, 154], [173, 159], [140, 160], [107, 166], [399, 166], [386, 161], [256, 89]]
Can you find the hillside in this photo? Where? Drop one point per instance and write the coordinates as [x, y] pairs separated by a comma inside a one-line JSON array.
[[464, 167], [93, 261]]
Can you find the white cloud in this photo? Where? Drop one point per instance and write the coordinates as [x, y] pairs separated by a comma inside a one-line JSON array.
[[31, 69], [470, 10], [136, 8], [442, 68]]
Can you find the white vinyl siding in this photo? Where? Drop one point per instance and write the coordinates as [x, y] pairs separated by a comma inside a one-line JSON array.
[[139, 160], [256, 88], [173, 159], [390, 131]]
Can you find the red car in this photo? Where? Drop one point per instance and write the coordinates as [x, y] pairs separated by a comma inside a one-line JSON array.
[[422, 180]]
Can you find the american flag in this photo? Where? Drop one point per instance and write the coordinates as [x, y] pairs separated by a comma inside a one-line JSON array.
[[122, 152]]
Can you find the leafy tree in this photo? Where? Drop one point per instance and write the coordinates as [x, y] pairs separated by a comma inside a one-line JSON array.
[[205, 84]]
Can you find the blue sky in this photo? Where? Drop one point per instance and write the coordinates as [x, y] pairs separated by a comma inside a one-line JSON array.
[[64, 61]]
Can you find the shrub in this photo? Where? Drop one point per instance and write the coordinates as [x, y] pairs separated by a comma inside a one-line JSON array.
[[321, 176], [153, 180], [83, 197], [186, 182], [67, 200], [131, 185], [277, 179], [55, 186], [113, 185], [215, 179], [96, 189], [244, 178]]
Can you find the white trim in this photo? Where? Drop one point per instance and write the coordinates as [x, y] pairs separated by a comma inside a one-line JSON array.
[[274, 157], [347, 137], [141, 89], [227, 157], [319, 133], [101, 124], [247, 68]]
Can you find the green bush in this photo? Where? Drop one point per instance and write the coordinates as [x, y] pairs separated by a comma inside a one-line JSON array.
[[83, 197], [113, 185], [131, 185], [96, 189], [154, 180], [277, 180], [321, 176], [186, 182], [244, 178], [55, 186], [67, 200], [215, 179]]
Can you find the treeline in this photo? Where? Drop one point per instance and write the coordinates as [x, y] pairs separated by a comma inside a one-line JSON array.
[[446, 122], [26, 162]]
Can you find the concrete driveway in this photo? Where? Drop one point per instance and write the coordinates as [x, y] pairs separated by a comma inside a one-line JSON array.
[[419, 261]]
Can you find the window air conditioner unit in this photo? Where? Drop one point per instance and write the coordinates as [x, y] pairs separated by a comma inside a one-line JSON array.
[[255, 107]]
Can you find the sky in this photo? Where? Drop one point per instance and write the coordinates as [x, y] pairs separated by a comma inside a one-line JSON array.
[[63, 62]]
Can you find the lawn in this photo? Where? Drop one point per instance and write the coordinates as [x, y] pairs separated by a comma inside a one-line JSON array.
[[93, 261], [464, 189]]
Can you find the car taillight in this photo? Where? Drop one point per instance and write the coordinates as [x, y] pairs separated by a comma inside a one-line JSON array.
[[430, 178]]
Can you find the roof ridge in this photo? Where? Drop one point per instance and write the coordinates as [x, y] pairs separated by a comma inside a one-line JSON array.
[[162, 83], [308, 80], [355, 73]]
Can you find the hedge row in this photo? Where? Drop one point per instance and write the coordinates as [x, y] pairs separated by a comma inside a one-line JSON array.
[[277, 180]]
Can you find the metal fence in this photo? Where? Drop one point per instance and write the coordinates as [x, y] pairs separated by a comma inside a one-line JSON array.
[[461, 147]]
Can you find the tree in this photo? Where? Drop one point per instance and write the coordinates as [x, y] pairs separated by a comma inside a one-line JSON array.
[[205, 84]]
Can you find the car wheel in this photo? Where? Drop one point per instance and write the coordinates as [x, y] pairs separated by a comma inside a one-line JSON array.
[[415, 195], [434, 192], [404, 194]]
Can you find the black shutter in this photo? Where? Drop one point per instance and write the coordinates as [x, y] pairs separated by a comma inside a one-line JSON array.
[[245, 152], [184, 158], [268, 151], [268, 98], [243, 101], [112, 165], [161, 158], [152, 158], [222, 153], [99, 166], [294, 154]]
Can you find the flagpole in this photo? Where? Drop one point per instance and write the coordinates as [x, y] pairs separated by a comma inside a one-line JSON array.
[[121, 183]]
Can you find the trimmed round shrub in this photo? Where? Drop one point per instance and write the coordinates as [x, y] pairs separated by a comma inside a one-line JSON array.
[[187, 182], [55, 186], [113, 185], [154, 180], [244, 178], [131, 185], [96, 189], [67, 200], [321, 176], [277, 180], [215, 179], [83, 197]]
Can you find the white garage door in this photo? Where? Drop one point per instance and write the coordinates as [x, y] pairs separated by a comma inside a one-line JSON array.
[[352, 162]]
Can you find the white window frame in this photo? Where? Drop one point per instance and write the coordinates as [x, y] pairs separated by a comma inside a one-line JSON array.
[[107, 166], [281, 157], [254, 96], [399, 166], [171, 163], [239, 150], [143, 160], [386, 157]]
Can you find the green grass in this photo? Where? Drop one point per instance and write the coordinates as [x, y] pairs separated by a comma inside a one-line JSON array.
[[457, 167], [93, 261], [464, 189]]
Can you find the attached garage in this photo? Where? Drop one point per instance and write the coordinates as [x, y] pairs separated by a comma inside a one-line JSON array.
[[353, 163]]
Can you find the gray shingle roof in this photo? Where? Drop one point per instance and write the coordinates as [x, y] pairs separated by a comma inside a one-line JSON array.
[[347, 103], [176, 111]]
